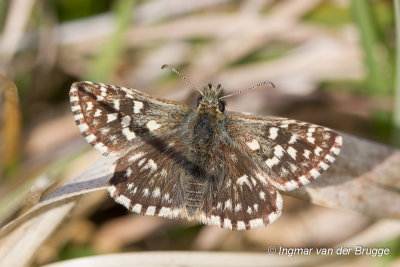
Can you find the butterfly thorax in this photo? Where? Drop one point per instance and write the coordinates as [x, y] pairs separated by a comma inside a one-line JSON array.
[[206, 124]]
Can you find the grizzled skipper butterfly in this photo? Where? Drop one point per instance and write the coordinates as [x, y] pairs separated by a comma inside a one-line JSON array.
[[200, 164]]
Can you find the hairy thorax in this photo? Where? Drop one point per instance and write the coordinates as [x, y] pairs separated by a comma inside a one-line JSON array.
[[205, 136]]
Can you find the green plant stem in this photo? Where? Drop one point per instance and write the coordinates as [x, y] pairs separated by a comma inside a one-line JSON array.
[[378, 78], [396, 106], [105, 62]]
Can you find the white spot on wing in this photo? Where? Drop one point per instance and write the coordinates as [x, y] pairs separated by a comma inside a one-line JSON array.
[[123, 200], [116, 103], [249, 210], [104, 130], [101, 147], [241, 225], [315, 173], [228, 204], [324, 166], [262, 195], [256, 223], [330, 158], [166, 197], [89, 106], [112, 117], [335, 150], [293, 167], [140, 163], [317, 151], [146, 192], [152, 125], [311, 139], [136, 156], [111, 189], [79, 116], [292, 152], [293, 139], [255, 206], [290, 185], [97, 113], [75, 108], [253, 145], [83, 127], [150, 165], [129, 135], [278, 151], [90, 138], [227, 224], [156, 192], [126, 121], [130, 186], [137, 106], [165, 212], [214, 220], [304, 180], [238, 207], [137, 208], [151, 210], [339, 140], [273, 133], [243, 179], [271, 162]]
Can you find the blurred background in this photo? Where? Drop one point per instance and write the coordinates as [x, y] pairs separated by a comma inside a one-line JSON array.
[[332, 61]]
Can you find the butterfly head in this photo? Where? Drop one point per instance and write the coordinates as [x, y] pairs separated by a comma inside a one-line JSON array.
[[210, 98]]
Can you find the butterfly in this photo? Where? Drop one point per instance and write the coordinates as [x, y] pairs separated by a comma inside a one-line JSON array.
[[201, 164]]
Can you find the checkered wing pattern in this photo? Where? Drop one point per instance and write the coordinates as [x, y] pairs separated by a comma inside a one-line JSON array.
[[238, 200], [147, 180], [134, 127], [115, 119], [286, 153]]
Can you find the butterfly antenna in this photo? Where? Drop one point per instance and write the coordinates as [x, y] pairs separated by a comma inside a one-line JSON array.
[[267, 83], [183, 77]]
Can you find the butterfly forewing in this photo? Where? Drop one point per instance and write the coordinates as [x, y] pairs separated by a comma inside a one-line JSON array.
[[288, 153], [115, 119]]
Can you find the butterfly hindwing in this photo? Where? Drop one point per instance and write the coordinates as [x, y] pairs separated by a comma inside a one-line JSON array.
[[146, 181], [287, 153], [238, 199]]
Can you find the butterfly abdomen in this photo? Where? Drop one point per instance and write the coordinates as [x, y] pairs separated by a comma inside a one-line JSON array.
[[194, 193]]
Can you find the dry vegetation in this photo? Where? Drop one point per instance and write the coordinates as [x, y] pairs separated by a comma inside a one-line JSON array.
[[53, 206]]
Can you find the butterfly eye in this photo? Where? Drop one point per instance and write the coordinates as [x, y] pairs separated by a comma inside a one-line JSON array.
[[221, 106]]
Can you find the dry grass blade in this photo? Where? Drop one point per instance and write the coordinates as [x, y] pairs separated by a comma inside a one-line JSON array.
[[175, 258], [18, 247], [10, 122], [17, 18]]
